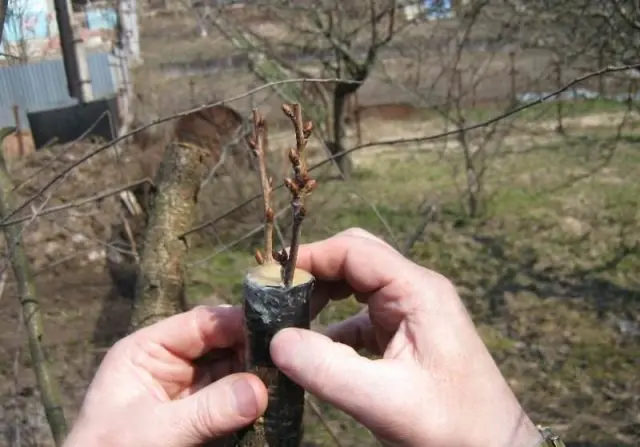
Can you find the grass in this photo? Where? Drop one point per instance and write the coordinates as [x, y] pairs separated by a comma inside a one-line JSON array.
[[540, 112], [547, 272]]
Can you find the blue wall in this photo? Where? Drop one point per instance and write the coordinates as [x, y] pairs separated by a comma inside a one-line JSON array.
[[42, 85]]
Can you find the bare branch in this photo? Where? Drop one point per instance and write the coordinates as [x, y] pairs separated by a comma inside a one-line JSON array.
[[427, 138], [79, 202], [129, 134], [49, 391], [259, 143], [300, 186]]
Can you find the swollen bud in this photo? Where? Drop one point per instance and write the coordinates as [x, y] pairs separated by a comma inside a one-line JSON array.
[[307, 129], [259, 257], [286, 108], [311, 185], [291, 186], [293, 156]]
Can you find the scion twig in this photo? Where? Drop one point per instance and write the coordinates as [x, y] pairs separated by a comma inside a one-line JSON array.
[[260, 145], [299, 186]]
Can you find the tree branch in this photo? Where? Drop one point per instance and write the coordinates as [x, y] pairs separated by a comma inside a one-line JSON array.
[[427, 138], [160, 286], [300, 186], [259, 143], [49, 391], [129, 134]]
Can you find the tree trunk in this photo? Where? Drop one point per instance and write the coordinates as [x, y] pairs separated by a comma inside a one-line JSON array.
[[336, 147], [160, 288]]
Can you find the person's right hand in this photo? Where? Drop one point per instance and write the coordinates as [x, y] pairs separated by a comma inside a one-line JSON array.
[[436, 384]]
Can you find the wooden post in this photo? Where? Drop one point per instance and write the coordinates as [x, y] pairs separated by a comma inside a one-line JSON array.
[[16, 117]]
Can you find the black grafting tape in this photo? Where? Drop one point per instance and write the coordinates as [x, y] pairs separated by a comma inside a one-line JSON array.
[[269, 306]]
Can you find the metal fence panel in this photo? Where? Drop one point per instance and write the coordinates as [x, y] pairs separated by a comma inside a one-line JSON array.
[[42, 85]]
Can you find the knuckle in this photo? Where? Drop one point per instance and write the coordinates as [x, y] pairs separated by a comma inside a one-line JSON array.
[[358, 232], [205, 418]]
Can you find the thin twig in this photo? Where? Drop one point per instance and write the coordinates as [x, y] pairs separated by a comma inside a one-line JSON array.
[[79, 202], [427, 216], [427, 138], [61, 152], [132, 240], [32, 315], [235, 242], [260, 145], [129, 134], [323, 420], [300, 186]]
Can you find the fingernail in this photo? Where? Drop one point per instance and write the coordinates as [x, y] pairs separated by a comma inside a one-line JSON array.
[[245, 397]]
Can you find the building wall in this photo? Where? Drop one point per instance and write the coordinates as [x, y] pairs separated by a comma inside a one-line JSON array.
[[42, 85], [31, 28]]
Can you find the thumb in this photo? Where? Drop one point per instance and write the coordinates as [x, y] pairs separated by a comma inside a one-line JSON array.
[[374, 392], [217, 410]]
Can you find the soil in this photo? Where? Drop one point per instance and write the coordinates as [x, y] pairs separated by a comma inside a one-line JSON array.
[[66, 253]]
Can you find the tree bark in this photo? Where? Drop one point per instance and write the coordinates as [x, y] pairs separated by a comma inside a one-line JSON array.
[[48, 386], [336, 147], [160, 288]]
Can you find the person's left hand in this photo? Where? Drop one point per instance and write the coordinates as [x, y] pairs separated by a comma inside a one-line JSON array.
[[171, 384]]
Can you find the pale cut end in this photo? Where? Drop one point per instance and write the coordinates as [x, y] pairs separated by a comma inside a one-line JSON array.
[[270, 275]]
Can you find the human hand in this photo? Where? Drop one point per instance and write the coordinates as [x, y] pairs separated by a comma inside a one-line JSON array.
[[155, 387], [436, 384]]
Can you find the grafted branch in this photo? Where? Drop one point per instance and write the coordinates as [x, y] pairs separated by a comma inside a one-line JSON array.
[[276, 296], [300, 186], [260, 145]]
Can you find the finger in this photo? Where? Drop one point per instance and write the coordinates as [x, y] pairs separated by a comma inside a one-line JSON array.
[[191, 334], [213, 366], [364, 261], [379, 276], [374, 392], [326, 291], [214, 411], [356, 332]]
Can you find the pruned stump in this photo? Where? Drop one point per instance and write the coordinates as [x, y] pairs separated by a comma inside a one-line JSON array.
[[269, 306]]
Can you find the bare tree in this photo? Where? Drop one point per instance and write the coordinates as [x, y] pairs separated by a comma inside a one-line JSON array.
[[340, 39], [3, 15]]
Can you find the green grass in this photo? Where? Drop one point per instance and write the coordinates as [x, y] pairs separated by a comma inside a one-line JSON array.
[[547, 111], [547, 271]]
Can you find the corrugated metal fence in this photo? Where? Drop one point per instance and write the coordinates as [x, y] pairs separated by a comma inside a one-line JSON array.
[[42, 85]]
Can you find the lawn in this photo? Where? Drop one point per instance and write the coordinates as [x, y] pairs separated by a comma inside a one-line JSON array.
[[549, 271]]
